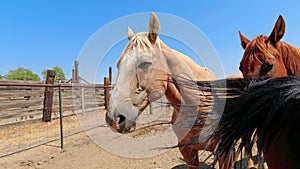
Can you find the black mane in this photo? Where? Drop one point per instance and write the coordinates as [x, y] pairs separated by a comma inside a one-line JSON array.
[[263, 108], [251, 108]]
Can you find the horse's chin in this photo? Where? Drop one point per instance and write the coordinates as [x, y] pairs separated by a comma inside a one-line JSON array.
[[124, 127]]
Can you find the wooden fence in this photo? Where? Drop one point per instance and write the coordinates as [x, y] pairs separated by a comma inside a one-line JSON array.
[[23, 101]]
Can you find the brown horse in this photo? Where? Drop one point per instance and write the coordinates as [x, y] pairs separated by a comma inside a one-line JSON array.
[[266, 110], [147, 70], [267, 56]]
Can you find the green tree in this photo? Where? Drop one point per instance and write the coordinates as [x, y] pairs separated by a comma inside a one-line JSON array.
[[22, 74], [59, 74], [1, 77]]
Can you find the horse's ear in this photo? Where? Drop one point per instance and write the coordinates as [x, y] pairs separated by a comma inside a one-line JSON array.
[[278, 30], [130, 33], [244, 40], [154, 27]]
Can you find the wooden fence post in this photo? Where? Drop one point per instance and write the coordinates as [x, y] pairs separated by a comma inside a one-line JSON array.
[[82, 100], [110, 74], [48, 96], [106, 92], [76, 72], [73, 76]]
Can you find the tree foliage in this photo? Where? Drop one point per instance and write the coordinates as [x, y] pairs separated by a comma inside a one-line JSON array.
[[22, 74], [59, 74]]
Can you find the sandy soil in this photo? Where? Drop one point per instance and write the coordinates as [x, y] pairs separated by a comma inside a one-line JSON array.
[[80, 151]]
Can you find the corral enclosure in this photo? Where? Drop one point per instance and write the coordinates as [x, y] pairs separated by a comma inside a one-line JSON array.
[[22, 128], [22, 111], [24, 103]]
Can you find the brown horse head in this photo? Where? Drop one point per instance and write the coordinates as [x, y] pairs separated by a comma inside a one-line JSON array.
[[264, 55]]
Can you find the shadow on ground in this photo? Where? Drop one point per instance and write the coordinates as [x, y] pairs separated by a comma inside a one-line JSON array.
[[202, 166], [241, 164]]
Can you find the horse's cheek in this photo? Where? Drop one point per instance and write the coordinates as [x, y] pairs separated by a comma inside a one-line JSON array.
[[282, 70], [159, 80]]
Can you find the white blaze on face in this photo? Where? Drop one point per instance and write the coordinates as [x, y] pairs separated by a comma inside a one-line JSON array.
[[121, 101]]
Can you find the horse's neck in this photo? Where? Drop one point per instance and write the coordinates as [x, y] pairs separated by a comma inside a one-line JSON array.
[[173, 94], [181, 64], [291, 58], [184, 67]]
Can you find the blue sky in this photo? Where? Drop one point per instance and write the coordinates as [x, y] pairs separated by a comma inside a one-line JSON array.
[[42, 34]]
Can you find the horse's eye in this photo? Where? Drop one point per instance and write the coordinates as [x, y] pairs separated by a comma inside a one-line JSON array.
[[269, 67], [145, 65], [265, 69]]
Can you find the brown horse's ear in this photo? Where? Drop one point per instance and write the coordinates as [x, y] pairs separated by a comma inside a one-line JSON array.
[[130, 33], [278, 30], [244, 40], [154, 27]]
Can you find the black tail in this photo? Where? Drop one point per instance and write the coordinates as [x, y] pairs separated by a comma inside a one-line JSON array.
[[263, 108]]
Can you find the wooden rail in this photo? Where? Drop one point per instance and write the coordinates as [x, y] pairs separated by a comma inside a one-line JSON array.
[[20, 101]]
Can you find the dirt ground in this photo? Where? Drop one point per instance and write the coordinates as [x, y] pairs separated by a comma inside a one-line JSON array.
[[82, 151]]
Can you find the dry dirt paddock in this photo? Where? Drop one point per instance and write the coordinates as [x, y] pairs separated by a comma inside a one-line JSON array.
[[82, 151]]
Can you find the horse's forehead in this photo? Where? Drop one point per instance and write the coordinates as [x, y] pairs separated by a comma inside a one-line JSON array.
[[257, 45], [259, 49], [133, 57], [139, 46]]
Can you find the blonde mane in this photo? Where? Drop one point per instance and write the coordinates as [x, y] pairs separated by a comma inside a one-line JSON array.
[[139, 42]]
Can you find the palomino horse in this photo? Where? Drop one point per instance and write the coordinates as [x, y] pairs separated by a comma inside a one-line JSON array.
[[267, 56], [266, 110], [147, 69]]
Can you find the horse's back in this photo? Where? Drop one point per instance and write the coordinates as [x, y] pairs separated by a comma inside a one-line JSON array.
[[235, 76]]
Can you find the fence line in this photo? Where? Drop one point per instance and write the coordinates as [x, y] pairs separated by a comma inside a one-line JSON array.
[[2, 83], [21, 114]]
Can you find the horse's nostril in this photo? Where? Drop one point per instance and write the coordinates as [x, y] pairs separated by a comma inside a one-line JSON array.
[[121, 119]]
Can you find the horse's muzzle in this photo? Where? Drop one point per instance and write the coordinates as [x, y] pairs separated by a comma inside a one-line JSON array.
[[120, 124]]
